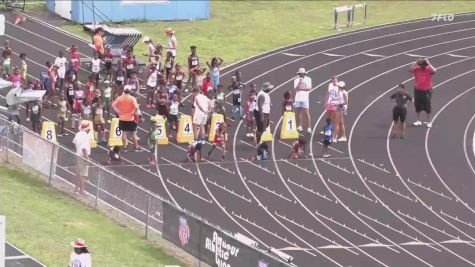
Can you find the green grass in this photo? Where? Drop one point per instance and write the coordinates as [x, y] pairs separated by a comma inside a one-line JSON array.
[[240, 29], [42, 222]]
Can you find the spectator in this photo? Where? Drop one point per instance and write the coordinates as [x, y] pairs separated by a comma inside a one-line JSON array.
[[80, 257], [152, 51], [98, 40], [75, 60], [83, 151], [400, 111], [339, 132], [236, 87], [332, 99], [134, 84], [262, 110], [302, 86], [287, 104], [36, 116], [60, 63], [201, 104], [193, 67], [130, 63], [214, 67], [16, 79], [152, 79], [423, 72], [126, 106], [172, 42]]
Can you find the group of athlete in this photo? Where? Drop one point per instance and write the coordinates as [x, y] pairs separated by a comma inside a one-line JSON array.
[[164, 83]]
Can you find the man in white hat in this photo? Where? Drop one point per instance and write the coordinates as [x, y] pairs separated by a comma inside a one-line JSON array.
[[83, 150], [80, 257], [302, 86]]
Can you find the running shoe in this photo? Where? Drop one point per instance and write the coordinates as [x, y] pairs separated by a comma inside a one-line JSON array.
[[138, 149], [65, 134], [309, 130], [300, 128], [27, 119], [326, 155], [417, 123], [334, 140], [322, 132], [342, 139], [429, 125]]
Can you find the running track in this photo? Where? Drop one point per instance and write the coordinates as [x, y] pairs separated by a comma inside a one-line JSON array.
[[377, 201]]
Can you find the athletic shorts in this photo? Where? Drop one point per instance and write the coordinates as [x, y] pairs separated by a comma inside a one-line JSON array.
[[331, 107], [327, 143], [236, 100], [200, 118], [259, 124], [108, 66], [82, 168], [127, 126], [301, 104], [422, 100], [172, 118], [399, 114]]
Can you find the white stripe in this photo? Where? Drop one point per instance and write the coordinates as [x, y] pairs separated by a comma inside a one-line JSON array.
[[17, 257], [415, 55], [332, 55], [454, 55], [292, 55], [372, 55]]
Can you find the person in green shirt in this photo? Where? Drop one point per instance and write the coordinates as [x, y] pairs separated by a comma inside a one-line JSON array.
[[107, 99], [35, 116], [152, 140]]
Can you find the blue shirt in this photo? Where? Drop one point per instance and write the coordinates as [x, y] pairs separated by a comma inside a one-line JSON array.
[[327, 133]]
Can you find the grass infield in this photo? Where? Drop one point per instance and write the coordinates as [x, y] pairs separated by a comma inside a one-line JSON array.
[[42, 222], [240, 29]]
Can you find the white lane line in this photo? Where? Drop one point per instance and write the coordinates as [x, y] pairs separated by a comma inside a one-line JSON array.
[[310, 190], [459, 56], [343, 225], [292, 55], [467, 158], [350, 190], [359, 175], [427, 188], [388, 188], [257, 165], [228, 190], [268, 190], [302, 226], [372, 55], [178, 166], [335, 165], [239, 216], [332, 55], [332, 148], [425, 223], [426, 146], [296, 166], [372, 164], [456, 218], [188, 191], [17, 257], [415, 55]]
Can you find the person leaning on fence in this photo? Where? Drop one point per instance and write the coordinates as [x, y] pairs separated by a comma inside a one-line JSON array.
[[80, 257], [83, 150]]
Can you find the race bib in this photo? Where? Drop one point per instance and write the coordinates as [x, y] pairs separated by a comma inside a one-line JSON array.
[[179, 77], [107, 94], [130, 66], [328, 133], [35, 109], [71, 93], [194, 62], [288, 108], [236, 91], [95, 68], [120, 78]]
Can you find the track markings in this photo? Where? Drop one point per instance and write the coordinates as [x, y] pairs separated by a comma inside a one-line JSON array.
[[335, 165], [257, 166], [372, 164], [388, 188], [292, 55], [350, 190], [178, 166], [296, 166], [459, 56], [427, 188], [229, 190], [372, 55], [455, 218], [332, 55], [188, 191], [268, 190], [310, 190]]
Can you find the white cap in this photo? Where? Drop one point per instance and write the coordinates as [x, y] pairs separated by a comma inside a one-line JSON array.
[[302, 70], [127, 88], [146, 39], [341, 84]]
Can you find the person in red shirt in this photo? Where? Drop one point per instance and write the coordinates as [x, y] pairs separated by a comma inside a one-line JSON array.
[[75, 60], [207, 84], [90, 88], [423, 71], [108, 62]]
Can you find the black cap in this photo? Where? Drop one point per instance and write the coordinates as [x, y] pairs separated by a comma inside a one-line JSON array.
[[193, 47]]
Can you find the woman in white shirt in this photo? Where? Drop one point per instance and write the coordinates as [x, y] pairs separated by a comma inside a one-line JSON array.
[[172, 42], [80, 257], [339, 133]]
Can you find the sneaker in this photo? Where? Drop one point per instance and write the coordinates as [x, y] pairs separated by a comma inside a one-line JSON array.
[[334, 140], [300, 128], [60, 135], [27, 119], [138, 149], [429, 125], [326, 155], [417, 123], [342, 139], [126, 150], [322, 132], [309, 130], [108, 121]]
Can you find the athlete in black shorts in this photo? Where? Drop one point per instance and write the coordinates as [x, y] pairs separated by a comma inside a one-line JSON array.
[[400, 111]]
